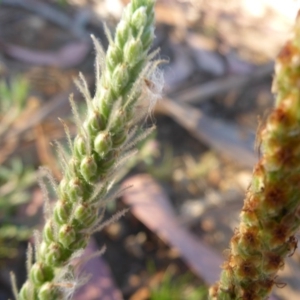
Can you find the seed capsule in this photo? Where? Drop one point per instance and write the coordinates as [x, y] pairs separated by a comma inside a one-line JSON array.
[[85, 215], [54, 254], [88, 168], [139, 18], [119, 119], [75, 189], [62, 211], [133, 52], [103, 143], [66, 235], [106, 97], [113, 57], [48, 291], [40, 273], [94, 123], [25, 292], [120, 77], [80, 146], [48, 232], [122, 33]]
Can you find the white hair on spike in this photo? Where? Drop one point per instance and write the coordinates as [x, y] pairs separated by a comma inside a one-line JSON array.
[[43, 187], [79, 123], [138, 138], [84, 90], [13, 281], [29, 259], [37, 242], [113, 219], [62, 156], [112, 196], [99, 62], [154, 86]]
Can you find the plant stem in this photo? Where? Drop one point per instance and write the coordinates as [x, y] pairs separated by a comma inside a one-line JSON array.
[[271, 213], [103, 142]]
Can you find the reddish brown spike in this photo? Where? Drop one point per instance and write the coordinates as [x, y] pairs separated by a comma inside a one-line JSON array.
[[287, 52]]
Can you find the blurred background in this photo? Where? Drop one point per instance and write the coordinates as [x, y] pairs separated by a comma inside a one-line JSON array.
[[193, 171]]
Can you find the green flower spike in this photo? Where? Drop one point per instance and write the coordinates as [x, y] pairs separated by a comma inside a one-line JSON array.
[[271, 213], [104, 140]]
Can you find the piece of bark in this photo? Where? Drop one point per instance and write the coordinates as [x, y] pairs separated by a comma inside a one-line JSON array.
[[222, 86], [228, 139], [67, 56], [150, 205]]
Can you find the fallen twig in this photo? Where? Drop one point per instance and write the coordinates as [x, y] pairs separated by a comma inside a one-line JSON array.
[[67, 56], [49, 13], [221, 86], [150, 205], [226, 138]]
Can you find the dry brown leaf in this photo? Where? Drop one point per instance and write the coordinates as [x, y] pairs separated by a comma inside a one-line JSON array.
[[150, 205]]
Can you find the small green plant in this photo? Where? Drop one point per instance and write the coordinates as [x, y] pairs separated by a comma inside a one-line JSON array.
[[178, 289], [12, 102], [14, 180], [127, 85], [15, 177]]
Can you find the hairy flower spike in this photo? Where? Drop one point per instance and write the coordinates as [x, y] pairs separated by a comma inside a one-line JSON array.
[[96, 152], [270, 216]]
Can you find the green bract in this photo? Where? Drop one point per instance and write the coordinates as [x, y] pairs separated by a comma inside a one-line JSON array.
[[96, 152]]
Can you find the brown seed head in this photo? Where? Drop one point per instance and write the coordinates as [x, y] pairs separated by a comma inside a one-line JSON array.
[[272, 262], [234, 242], [278, 234], [246, 269], [286, 54], [275, 197], [279, 116], [249, 238]]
